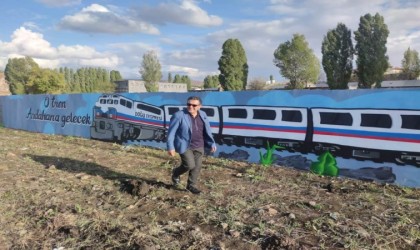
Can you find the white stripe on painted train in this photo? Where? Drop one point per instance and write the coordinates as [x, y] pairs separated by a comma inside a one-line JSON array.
[[360, 133]]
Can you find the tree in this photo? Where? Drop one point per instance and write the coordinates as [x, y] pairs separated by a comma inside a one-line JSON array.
[[372, 61], [186, 79], [151, 71], [183, 79], [90, 80], [170, 77], [115, 75], [297, 62], [211, 81], [411, 64], [233, 66], [17, 73], [256, 84], [337, 56], [177, 79], [46, 81]]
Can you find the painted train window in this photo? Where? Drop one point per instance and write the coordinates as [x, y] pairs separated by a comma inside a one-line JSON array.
[[262, 114], [376, 120], [291, 116], [172, 110], [237, 113], [148, 108], [410, 121], [334, 118], [126, 103], [209, 111]]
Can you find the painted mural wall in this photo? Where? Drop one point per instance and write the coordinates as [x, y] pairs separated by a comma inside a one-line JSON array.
[[362, 134]]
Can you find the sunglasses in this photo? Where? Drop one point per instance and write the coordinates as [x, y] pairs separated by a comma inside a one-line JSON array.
[[194, 105]]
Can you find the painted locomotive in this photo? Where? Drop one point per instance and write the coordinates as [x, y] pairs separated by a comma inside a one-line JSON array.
[[374, 134]]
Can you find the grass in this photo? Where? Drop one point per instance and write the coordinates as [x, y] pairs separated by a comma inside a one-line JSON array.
[[74, 193]]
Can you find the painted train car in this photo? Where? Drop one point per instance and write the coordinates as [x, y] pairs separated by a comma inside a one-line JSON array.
[[368, 133], [256, 125], [375, 134]]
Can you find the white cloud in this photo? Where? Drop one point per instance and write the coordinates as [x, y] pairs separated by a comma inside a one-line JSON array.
[[191, 72], [195, 53], [187, 13], [95, 8], [31, 26], [313, 19], [59, 3], [99, 19], [25, 42], [131, 55], [196, 63]]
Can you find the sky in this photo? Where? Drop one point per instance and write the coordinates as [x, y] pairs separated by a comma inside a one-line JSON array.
[[187, 35]]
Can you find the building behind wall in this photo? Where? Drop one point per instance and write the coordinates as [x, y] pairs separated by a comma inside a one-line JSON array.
[[138, 86]]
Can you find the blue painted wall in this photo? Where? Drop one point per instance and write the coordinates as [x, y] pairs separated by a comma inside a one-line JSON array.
[[73, 115]]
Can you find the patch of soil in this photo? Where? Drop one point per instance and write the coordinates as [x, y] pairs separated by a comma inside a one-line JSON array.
[[73, 193]]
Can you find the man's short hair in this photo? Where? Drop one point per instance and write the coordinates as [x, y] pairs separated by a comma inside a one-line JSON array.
[[194, 98]]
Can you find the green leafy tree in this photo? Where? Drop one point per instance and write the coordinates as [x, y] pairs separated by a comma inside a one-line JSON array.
[[411, 64], [233, 66], [337, 56], [216, 82], [183, 79], [211, 81], [170, 77], [177, 79], [82, 79], [297, 62], [372, 61], [17, 73], [186, 79], [90, 80], [115, 75], [151, 71], [46, 81], [76, 86]]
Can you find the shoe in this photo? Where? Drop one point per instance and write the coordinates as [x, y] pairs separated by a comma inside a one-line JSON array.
[[175, 179], [193, 190]]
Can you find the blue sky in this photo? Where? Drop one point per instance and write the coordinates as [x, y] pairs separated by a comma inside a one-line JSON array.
[[186, 34]]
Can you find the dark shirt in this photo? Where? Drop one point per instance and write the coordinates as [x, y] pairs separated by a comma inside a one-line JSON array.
[[197, 137]]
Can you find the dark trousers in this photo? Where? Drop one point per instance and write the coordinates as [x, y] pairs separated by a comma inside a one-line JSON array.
[[190, 161]]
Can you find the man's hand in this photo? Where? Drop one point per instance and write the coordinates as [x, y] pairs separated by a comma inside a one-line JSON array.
[[213, 149], [171, 152]]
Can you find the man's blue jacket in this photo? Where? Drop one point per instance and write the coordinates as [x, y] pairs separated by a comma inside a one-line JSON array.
[[180, 131]]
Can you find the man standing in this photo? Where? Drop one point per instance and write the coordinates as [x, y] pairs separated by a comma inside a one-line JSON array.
[[189, 132]]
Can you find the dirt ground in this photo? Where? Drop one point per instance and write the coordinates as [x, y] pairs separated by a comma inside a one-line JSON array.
[[62, 192]]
